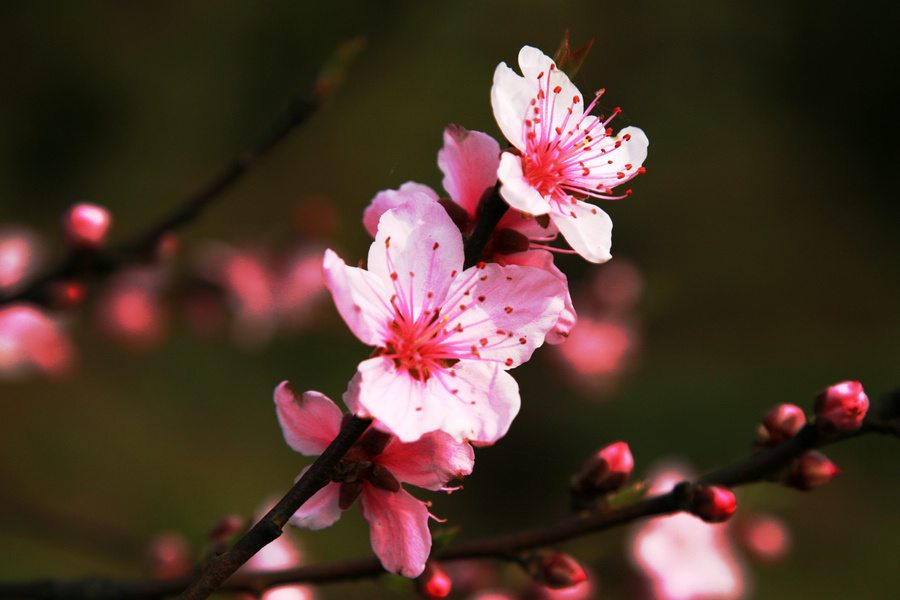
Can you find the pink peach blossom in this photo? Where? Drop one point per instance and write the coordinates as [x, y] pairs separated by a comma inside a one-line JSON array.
[[31, 341], [562, 152], [444, 336], [373, 471], [469, 161]]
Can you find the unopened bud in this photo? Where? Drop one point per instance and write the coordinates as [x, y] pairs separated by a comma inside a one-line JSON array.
[[713, 503], [811, 470], [780, 424], [555, 570], [226, 528], [86, 225], [604, 472], [841, 408], [434, 582]]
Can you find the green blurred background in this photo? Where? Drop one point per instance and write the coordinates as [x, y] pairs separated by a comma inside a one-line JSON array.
[[765, 227]]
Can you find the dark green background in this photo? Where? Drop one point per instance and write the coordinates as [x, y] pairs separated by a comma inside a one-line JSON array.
[[766, 227]]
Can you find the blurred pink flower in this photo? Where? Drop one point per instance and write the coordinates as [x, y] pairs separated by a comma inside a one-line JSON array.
[[683, 557], [766, 536], [444, 337], [22, 254], [264, 292], [373, 471], [282, 553], [131, 307], [32, 342], [563, 153]]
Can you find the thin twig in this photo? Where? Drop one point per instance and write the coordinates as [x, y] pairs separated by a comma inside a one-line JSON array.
[[762, 466], [81, 264]]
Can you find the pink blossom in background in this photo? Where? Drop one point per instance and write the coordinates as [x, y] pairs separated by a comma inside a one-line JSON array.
[[444, 336], [32, 342], [284, 552], [605, 341], [266, 292], [373, 471], [562, 153], [765, 536], [131, 307], [22, 255], [683, 557]]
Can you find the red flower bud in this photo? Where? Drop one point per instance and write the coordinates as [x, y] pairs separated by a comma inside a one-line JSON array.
[[811, 470], [555, 570], [841, 408], [434, 583], [227, 527], [86, 225], [780, 424], [713, 503], [65, 293], [606, 471]]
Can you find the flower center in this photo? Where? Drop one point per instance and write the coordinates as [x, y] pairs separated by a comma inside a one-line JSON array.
[[565, 154], [418, 346]]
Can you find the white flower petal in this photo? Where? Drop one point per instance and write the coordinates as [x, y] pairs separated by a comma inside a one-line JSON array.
[[587, 229]]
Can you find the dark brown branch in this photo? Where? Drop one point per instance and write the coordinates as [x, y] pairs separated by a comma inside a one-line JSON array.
[[494, 209], [82, 264], [270, 526], [883, 418]]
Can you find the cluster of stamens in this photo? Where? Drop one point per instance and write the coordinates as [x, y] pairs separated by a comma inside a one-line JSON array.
[[570, 158]]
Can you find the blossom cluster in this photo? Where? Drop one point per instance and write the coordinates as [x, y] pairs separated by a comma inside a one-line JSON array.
[[446, 329]]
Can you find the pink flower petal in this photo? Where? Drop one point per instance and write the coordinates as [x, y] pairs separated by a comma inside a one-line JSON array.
[[543, 259], [360, 298], [587, 229], [469, 161], [321, 510], [398, 528], [517, 190], [309, 422], [385, 200], [508, 312], [415, 252], [430, 462], [478, 403]]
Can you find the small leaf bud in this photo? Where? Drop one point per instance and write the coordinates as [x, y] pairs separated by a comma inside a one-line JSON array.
[[434, 582], [85, 225], [606, 471], [713, 503], [780, 424], [841, 408], [811, 470]]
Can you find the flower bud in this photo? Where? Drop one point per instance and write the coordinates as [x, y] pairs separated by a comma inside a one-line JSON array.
[[555, 570], [780, 424], [811, 470], [434, 582], [606, 471], [713, 503], [226, 528], [841, 408], [85, 225]]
